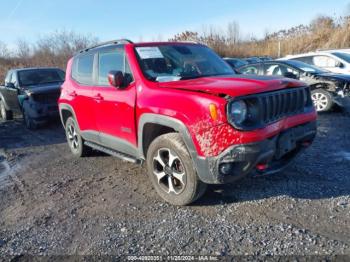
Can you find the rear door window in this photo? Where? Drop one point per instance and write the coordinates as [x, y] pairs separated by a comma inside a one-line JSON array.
[[8, 77], [250, 70], [279, 70], [305, 59], [324, 61], [83, 69], [13, 79]]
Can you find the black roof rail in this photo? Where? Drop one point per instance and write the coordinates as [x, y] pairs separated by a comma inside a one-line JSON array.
[[112, 42]]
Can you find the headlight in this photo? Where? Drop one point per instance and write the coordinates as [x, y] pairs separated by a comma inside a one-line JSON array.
[[237, 112]]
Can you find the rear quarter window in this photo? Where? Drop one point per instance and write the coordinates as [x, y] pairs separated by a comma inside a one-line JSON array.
[[305, 59]]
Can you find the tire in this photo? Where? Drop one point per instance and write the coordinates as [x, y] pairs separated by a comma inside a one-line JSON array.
[[4, 113], [29, 122], [322, 100], [171, 170], [74, 139]]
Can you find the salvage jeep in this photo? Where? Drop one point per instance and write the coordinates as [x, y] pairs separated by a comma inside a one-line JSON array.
[[34, 92], [180, 108]]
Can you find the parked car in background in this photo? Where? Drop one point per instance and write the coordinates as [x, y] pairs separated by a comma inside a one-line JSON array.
[[180, 108], [341, 50], [327, 88], [265, 58], [235, 62], [252, 60], [34, 92], [334, 61]]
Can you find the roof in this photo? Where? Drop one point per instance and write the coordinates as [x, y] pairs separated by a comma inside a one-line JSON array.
[[112, 43], [35, 68]]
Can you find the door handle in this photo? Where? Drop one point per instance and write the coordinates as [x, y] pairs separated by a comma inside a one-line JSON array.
[[98, 97], [72, 94]]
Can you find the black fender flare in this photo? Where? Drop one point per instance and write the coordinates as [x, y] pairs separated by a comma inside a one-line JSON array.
[[200, 163], [171, 122], [68, 107]]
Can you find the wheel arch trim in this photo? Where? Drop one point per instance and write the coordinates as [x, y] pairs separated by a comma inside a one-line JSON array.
[[176, 124], [63, 106]]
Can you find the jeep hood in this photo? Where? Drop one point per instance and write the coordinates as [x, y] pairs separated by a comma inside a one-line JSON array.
[[239, 85], [44, 88]]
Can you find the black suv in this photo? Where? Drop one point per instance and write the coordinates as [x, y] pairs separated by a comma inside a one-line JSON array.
[[33, 92]]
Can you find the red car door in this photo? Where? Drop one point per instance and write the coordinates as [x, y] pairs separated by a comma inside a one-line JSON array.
[[80, 93], [114, 108]]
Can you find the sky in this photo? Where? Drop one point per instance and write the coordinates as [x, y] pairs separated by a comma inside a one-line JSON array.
[[155, 19]]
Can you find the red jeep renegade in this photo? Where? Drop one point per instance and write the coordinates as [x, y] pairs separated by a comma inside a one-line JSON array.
[[183, 110]]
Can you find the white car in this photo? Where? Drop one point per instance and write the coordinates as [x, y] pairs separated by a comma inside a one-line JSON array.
[[336, 61]]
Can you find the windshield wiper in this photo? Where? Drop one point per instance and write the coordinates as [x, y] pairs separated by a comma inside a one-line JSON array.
[[208, 75], [191, 77]]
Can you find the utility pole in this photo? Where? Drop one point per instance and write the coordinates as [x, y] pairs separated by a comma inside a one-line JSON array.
[[279, 48]]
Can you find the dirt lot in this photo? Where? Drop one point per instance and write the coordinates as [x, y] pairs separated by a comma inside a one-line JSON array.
[[51, 203]]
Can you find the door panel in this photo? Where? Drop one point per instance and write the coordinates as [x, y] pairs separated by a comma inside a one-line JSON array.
[[11, 98], [83, 105], [115, 107], [81, 92], [11, 94], [114, 111]]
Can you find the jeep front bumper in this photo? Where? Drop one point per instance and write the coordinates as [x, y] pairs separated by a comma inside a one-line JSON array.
[[274, 154]]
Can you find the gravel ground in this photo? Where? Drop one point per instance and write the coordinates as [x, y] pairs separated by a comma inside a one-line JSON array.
[[53, 204]]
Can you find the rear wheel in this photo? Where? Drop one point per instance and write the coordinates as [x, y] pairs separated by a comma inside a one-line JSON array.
[[171, 170], [322, 100], [74, 139], [4, 113]]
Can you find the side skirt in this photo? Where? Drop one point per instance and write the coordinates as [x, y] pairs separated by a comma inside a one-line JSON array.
[[114, 153]]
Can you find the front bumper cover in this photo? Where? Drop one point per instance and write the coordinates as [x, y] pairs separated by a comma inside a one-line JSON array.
[[239, 160]]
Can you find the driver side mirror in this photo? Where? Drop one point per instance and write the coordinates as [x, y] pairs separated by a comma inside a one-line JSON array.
[[10, 85], [116, 79]]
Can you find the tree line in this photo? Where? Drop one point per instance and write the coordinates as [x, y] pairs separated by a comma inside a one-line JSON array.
[[55, 49]]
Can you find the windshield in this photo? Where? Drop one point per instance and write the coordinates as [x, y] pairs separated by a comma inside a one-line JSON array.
[[40, 76], [344, 56], [175, 62], [305, 67]]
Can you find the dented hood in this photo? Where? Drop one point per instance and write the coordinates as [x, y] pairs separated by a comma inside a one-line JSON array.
[[237, 85]]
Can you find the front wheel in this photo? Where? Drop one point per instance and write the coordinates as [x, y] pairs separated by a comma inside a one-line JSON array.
[[171, 170], [322, 100]]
